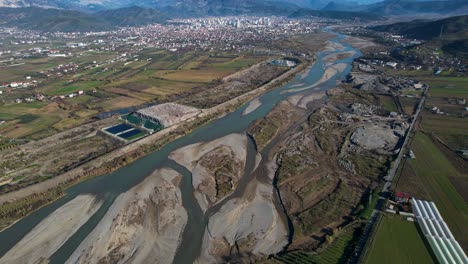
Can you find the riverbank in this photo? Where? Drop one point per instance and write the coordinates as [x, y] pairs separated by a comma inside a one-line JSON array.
[[216, 167], [143, 225], [254, 190], [53, 232], [18, 204]]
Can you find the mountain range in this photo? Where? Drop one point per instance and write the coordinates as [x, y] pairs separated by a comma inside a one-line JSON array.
[[86, 15], [49, 19], [158, 4], [70, 17], [180, 8]]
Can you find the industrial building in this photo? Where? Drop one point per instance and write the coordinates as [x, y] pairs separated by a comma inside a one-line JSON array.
[[440, 238]]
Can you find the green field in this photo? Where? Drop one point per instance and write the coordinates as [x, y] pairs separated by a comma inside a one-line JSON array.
[[452, 130], [398, 241], [388, 103], [446, 86], [437, 173], [430, 177], [75, 87], [444, 90], [158, 76]]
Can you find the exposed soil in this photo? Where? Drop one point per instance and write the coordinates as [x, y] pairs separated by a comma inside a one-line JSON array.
[[322, 175], [50, 234], [144, 225], [254, 104], [216, 166], [245, 228]]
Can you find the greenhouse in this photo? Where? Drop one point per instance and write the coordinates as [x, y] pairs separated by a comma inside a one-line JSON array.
[[440, 238]]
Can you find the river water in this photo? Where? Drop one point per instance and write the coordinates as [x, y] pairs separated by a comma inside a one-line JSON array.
[[108, 187]]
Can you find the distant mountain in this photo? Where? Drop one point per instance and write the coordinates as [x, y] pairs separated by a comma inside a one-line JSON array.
[[199, 8], [196, 8], [69, 20], [109, 4], [176, 8], [51, 19], [310, 4], [404, 7], [452, 28], [363, 16], [343, 6], [133, 16], [57, 4]]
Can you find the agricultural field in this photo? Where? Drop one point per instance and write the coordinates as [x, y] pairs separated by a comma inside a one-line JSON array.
[[110, 84], [398, 241], [388, 103], [432, 176], [437, 173], [451, 130], [444, 92], [54, 155]]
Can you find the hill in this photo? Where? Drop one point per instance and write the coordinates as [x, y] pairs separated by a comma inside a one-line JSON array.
[[404, 7], [449, 34], [453, 27], [42, 19], [51, 19]]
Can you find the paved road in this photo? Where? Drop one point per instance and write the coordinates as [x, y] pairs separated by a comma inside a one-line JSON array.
[[391, 174], [388, 183]]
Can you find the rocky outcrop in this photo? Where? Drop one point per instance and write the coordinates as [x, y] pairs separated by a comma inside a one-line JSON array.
[[144, 225]]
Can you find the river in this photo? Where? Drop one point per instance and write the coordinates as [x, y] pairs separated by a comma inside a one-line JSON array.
[[108, 187]]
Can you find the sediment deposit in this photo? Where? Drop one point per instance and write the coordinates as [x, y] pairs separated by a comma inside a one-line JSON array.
[[50, 234], [144, 225], [216, 166], [254, 104], [249, 225]]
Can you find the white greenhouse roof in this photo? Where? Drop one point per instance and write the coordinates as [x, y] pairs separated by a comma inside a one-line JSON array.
[[443, 244]]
